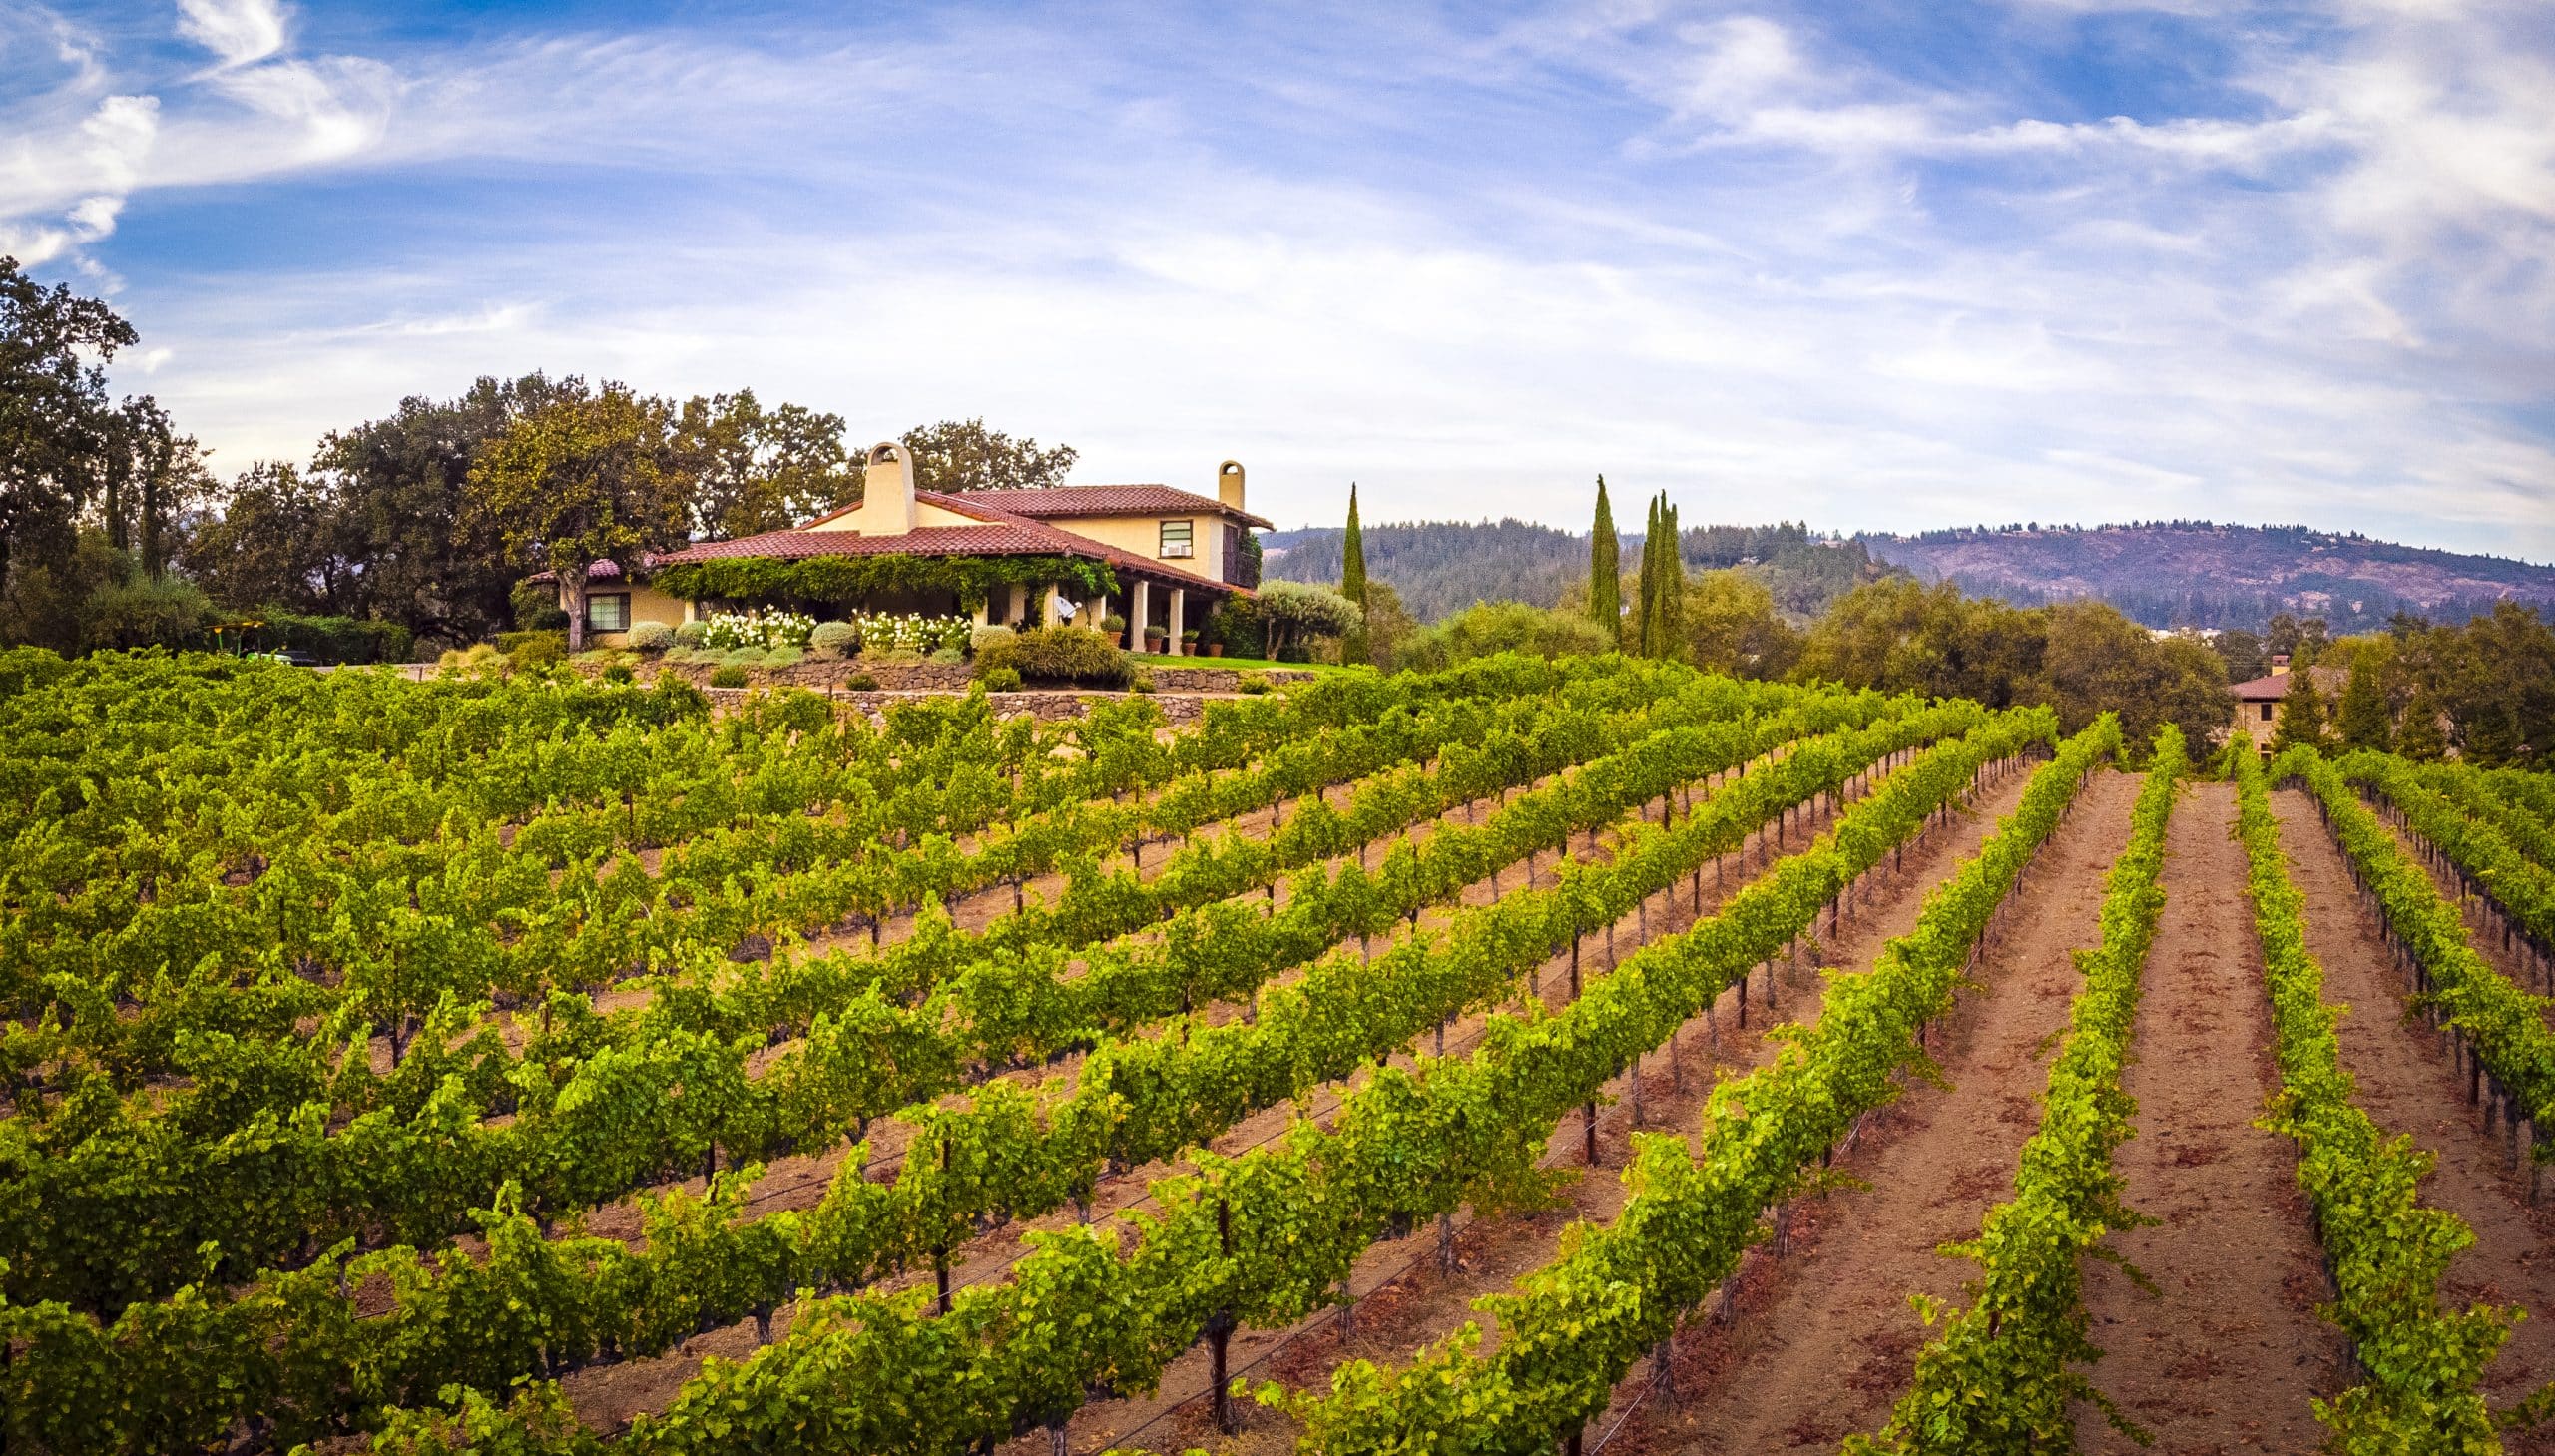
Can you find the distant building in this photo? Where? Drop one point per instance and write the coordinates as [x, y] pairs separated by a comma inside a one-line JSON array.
[[1175, 554], [2257, 709]]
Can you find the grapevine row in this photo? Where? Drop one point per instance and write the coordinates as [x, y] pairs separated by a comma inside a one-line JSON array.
[[2491, 849], [1999, 1378], [2384, 1250], [2507, 1054]]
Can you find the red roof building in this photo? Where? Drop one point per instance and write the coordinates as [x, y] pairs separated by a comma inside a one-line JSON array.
[[1173, 554]]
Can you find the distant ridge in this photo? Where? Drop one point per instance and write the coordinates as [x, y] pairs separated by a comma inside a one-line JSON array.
[[2162, 572], [2204, 573]]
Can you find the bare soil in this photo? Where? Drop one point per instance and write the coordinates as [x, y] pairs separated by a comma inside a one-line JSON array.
[[2224, 1355], [2408, 1083]]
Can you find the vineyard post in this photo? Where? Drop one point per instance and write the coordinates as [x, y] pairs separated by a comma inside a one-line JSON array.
[[1220, 1327]]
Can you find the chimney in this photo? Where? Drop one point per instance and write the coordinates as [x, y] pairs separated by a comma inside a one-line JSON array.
[[887, 491], [2280, 663], [1229, 485]]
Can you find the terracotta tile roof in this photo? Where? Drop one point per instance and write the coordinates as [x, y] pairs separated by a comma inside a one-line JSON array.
[[1000, 533], [2329, 680], [1109, 500]]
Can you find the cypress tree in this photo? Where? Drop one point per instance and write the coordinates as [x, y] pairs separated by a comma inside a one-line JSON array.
[[1605, 570], [2361, 715], [2301, 714], [1643, 582], [1672, 584], [1353, 579]]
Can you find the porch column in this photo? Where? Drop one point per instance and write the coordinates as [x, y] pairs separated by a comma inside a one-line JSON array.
[[1139, 613], [1179, 615], [1054, 598], [1014, 602]]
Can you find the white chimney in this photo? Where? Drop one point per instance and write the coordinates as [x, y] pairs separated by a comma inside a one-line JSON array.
[[1228, 484]]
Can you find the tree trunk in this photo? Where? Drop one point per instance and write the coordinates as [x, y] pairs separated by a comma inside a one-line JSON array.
[[573, 578]]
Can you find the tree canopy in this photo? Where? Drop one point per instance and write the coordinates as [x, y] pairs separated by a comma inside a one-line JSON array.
[[584, 478], [964, 455]]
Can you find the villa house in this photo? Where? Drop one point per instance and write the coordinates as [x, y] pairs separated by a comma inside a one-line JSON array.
[[2257, 700], [1154, 554]]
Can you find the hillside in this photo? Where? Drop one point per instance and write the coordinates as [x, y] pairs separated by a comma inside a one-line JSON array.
[[2201, 574], [1443, 567]]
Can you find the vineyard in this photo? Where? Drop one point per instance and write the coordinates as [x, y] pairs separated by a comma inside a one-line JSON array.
[[1533, 1056]]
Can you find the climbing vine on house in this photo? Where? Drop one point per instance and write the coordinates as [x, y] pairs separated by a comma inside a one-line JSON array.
[[847, 578]]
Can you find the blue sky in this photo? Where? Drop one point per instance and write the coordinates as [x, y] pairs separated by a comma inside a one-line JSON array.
[[1878, 266]]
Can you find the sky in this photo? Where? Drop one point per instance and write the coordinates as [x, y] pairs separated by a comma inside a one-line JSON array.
[[1880, 266]]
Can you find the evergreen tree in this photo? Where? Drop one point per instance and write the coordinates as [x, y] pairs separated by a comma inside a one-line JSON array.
[[1352, 580], [1645, 587], [1672, 584], [2301, 714], [1605, 572], [2361, 715], [2419, 738]]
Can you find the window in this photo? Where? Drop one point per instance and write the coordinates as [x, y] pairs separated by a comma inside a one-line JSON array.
[[1178, 538], [2267, 713], [607, 612]]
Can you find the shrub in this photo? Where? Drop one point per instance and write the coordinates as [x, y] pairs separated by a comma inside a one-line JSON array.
[[692, 633], [537, 649], [618, 673], [861, 683], [337, 638], [1058, 655], [1001, 679], [760, 630], [833, 641], [649, 636], [1291, 612], [782, 657], [949, 654], [1139, 682], [1254, 683], [727, 674], [984, 635], [1488, 628], [742, 657], [147, 611], [675, 654], [1113, 624]]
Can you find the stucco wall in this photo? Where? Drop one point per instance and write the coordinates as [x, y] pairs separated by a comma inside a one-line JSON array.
[[647, 604], [1142, 536]]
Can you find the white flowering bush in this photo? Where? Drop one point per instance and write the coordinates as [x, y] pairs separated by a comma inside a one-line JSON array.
[[912, 632], [724, 631]]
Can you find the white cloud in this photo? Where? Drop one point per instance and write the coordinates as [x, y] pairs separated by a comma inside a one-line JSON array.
[[237, 31]]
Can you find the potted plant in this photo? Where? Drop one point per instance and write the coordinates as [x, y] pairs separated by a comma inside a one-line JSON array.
[[1115, 627], [1155, 632], [1214, 648], [1189, 643]]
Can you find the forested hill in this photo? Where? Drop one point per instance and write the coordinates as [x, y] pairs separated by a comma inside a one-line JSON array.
[[2200, 574], [1442, 567]]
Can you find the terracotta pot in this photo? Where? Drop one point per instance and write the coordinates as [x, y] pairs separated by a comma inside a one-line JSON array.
[[1214, 648]]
